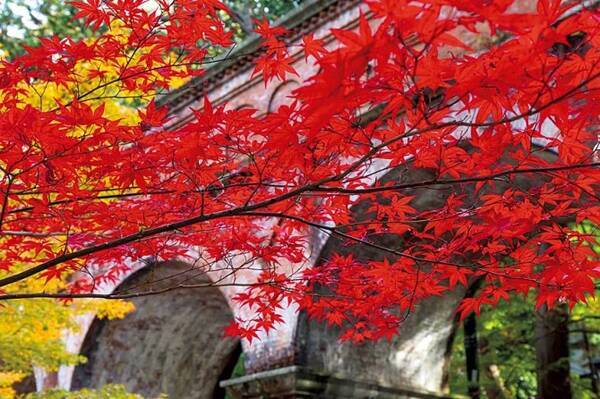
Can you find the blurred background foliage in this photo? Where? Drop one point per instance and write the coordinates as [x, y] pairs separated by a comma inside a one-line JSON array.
[[23, 22], [507, 354], [507, 346], [32, 333]]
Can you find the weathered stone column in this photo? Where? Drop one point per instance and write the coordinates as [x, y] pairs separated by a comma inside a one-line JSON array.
[[413, 365]]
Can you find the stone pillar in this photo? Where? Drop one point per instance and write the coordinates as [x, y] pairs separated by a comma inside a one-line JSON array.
[[413, 365]]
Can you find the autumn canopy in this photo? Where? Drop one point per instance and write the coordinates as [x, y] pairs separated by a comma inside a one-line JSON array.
[[494, 109]]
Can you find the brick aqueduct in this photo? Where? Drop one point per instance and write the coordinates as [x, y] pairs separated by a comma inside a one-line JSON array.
[[173, 343]]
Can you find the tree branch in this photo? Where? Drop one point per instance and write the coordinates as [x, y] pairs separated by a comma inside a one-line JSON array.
[[453, 181]]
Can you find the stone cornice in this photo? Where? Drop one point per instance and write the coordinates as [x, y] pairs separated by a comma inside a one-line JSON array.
[[298, 22], [300, 382]]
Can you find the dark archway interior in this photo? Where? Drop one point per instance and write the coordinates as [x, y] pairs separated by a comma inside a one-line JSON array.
[[172, 343], [233, 363]]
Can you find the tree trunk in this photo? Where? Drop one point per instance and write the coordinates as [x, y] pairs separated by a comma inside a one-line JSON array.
[[498, 390], [593, 370], [472, 355], [552, 353]]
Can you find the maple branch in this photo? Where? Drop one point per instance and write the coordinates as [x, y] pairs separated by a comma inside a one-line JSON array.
[[454, 181], [5, 200], [413, 132], [199, 219], [335, 231], [532, 111], [591, 194], [318, 189], [65, 295], [152, 232], [309, 187], [209, 189]]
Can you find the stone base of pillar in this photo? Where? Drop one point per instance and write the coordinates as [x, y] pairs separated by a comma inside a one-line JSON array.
[[298, 382]]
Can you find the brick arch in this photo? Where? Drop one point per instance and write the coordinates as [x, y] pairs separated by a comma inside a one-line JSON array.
[[279, 95], [243, 106], [417, 360], [172, 343]]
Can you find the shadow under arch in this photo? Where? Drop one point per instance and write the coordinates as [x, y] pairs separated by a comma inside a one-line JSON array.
[[419, 357], [172, 343]]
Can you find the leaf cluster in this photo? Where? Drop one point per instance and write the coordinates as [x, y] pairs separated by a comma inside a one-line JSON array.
[[502, 132]]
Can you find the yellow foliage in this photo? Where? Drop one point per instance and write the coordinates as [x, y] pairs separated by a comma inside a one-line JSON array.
[[32, 330], [592, 307], [7, 379], [111, 309]]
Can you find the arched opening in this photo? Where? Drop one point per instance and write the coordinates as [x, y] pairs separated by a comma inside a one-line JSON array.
[[173, 343], [279, 96], [419, 357]]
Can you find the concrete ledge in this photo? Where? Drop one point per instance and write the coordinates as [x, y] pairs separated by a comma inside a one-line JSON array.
[[298, 382]]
